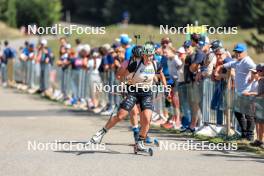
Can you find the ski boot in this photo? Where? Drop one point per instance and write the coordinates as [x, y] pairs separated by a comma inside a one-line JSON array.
[[97, 138]]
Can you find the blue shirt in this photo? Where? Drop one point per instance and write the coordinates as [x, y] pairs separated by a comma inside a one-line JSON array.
[[9, 53], [110, 59], [157, 58], [199, 57], [76, 63], [164, 65], [105, 60], [242, 69], [26, 51], [46, 55], [128, 52]]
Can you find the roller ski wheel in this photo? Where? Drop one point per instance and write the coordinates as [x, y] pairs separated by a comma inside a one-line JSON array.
[[148, 151]]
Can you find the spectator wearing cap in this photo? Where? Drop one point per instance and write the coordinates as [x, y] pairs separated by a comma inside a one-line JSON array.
[[8, 58], [252, 90], [125, 41], [93, 66], [207, 66], [260, 70], [184, 106], [196, 65], [45, 58], [259, 142], [242, 67]]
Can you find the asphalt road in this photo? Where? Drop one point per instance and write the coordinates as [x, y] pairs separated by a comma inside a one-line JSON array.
[[25, 119]]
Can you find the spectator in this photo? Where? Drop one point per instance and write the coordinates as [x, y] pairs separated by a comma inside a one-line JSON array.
[[242, 67], [171, 64], [95, 79], [79, 45], [220, 78], [9, 55], [125, 41], [259, 142], [3, 64], [45, 57], [183, 80], [196, 67], [23, 61], [63, 63]]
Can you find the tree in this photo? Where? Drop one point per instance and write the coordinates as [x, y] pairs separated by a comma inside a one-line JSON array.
[[39, 12], [257, 9], [11, 13]]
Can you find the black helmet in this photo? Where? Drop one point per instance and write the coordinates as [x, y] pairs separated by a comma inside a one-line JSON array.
[[216, 44], [137, 51]]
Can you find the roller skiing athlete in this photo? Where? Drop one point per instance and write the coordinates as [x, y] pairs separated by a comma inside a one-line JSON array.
[[136, 55], [138, 92]]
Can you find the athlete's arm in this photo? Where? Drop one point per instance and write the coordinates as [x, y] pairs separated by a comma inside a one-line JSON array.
[[160, 74], [130, 68]]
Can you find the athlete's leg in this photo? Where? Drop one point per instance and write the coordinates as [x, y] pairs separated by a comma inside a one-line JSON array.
[[134, 116], [121, 114], [134, 122], [126, 106], [145, 122], [146, 113]]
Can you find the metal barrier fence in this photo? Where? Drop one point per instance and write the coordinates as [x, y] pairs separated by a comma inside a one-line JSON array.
[[78, 84]]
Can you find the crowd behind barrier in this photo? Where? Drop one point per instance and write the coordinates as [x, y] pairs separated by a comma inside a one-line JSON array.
[[72, 81]]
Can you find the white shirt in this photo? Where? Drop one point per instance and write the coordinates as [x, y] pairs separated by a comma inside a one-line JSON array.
[[144, 75], [91, 63], [174, 65]]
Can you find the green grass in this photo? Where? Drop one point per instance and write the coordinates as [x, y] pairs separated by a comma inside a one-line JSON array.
[[113, 32], [7, 32], [242, 145]]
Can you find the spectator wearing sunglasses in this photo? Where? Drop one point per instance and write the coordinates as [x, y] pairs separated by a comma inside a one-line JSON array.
[[242, 67]]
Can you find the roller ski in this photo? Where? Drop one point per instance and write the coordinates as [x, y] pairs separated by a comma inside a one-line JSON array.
[[140, 148], [148, 139]]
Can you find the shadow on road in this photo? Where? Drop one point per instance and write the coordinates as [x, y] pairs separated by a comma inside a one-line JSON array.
[[44, 113], [108, 151], [239, 156]]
